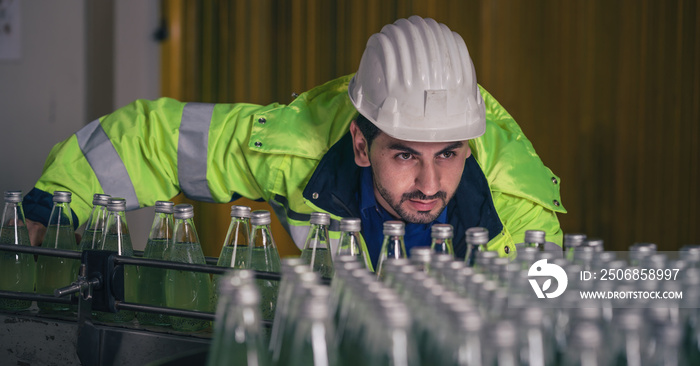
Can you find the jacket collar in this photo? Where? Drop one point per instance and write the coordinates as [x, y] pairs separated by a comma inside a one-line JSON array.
[[335, 185]]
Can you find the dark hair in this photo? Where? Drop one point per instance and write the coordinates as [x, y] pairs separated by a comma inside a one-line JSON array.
[[368, 129]]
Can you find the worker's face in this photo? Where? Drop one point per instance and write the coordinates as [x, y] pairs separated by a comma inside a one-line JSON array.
[[413, 181]]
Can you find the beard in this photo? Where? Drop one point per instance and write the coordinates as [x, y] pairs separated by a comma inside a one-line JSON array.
[[420, 217]]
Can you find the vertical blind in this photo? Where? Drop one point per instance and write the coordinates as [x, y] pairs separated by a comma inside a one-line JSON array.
[[608, 92]]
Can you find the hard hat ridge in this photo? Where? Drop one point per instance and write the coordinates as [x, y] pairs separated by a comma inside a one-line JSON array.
[[416, 82]]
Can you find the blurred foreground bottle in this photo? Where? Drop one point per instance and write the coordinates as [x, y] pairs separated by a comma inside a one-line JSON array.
[[350, 243], [235, 253], [151, 288], [264, 257], [571, 241], [535, 239], [393, 246], [477, 239], [95, 225], [312, 340], [55, 272], [187, 290], [441, 235], [17, 270], [116, 238], [238, 336], [317, 249]]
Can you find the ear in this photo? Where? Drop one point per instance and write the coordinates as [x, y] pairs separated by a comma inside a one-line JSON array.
[[359, 146]]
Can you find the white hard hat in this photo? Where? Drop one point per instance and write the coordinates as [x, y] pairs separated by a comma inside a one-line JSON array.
[[416, 82]]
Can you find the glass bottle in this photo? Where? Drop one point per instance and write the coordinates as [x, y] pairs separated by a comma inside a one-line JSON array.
[[421, 258], [571, 241], [94, 227], [17, 270], [312, 343], [56, 272], [441, 239], [235, 252], [391, 342], [503, 344], [535, 239], [151, 287], [350, 241], [116, 238], [264, 257], [393, 246], [317, 252], [187, 290], [477, 238], [238, 338]]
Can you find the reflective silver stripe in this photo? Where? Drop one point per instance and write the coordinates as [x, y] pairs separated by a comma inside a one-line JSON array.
[[106, 163], [192, 149]]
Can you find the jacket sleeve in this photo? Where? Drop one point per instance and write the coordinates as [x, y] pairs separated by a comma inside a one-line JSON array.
[[519, 215], [153, 150]]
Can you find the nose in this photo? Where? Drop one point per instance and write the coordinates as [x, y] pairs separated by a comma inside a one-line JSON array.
[[428, 179]]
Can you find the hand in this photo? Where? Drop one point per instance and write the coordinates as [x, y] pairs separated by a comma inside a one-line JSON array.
[[36, 232]]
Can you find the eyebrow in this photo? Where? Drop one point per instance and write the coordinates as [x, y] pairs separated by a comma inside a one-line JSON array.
[[404, 148]]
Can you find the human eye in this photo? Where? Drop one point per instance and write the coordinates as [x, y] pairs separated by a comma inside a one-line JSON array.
[[404, 156], [447, 154]]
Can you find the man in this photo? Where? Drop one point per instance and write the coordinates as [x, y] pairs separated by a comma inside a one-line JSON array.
[[428, 146]]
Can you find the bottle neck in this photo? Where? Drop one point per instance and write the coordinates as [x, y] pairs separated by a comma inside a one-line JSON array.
[[162, 227], [262, 237], [184, 231], [61, 215]]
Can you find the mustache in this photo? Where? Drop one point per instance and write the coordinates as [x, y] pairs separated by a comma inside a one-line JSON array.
[[421, 196]]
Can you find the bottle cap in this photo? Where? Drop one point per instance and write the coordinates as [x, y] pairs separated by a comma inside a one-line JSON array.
[[441, 231], [320, 218], [504, 334], [595, 243], [116, 204], [573, 240], [240, 211], [99, 199], [421, 254], [586, 335], [165, 207], [13, 196], [394, 227], [260, 217], [350, 224], [183, 211], [477, 235], [643, 247], [62, 196], [534, 236]]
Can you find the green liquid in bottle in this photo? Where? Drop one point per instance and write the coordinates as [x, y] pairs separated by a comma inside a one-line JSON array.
[[322, 262], [151, 286], [55, 272], [17, 271], [269, 289], [186, 289], [130, 280], [91, 240]]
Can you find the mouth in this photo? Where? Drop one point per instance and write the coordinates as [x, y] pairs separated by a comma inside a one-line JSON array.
[[420, 205]]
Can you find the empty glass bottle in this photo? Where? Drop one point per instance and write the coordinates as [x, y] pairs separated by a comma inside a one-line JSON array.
[[116, 238], [535, 239], [572, 241], [350, 241], [17, 270], [95, 225], [238, 338], [393, 246], [477, 238], [56, 272], [441, 235], [264, 257], [317, 248], [187, 290], [312, 342], [151, 287]]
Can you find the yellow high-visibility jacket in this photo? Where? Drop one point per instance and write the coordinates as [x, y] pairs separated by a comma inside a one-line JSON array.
[[297, 157]]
